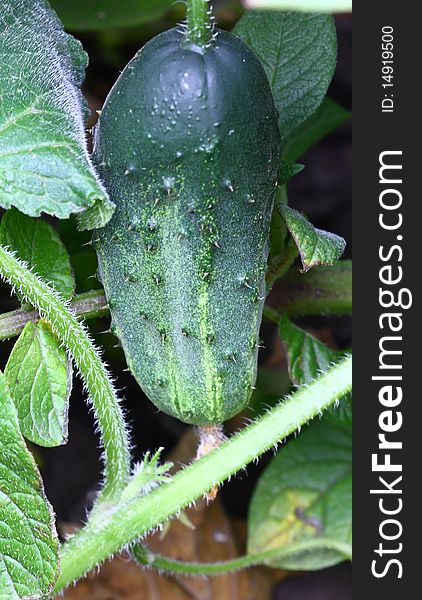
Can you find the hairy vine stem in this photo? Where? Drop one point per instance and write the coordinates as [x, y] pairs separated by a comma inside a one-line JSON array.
[[87, 359], [199, 27], [107, 533]]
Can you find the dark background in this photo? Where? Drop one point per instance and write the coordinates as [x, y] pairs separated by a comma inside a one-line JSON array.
[[323, 191]]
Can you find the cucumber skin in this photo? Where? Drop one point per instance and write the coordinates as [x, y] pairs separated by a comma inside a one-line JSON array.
[[188, 146]]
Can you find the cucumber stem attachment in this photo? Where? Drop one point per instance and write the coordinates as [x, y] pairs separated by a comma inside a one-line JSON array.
[[210, 438], [199, 24]]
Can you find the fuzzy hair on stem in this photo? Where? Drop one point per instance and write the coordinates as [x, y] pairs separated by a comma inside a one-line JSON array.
[[199, 31], [96, 378], [128, 522]]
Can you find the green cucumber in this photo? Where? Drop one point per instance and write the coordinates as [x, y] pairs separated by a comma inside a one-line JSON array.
[[188, 147]]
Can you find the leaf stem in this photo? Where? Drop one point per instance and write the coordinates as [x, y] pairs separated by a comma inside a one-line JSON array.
[[179, 567], [87, 359], [282, 263], [320, 291], [88, 305], [129, 521], [199, 27]]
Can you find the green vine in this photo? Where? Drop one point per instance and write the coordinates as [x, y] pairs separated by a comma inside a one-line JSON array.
[[87, 359], [108, 532], [179, 567]]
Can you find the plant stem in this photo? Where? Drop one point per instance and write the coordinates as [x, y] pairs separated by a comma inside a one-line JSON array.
[[87, 305], [95, 376], [321, 291], [180, 567], [90, 304], [199, 28], [102, 537], [279, 267]]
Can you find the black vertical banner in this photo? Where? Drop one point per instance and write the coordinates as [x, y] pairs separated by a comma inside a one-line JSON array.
[[387, 204]]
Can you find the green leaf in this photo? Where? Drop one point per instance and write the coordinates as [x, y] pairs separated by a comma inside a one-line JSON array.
[[86, 15], [303, 500], [307, 358], [287, 170], [28, 541], [298, 52], [44, 161], [82, 254], [38, 244], [39, 375], [323, 121], [278, 232], [306, 5], [316, 247]]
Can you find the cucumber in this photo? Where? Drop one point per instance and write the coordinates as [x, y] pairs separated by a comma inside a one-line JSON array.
[[188, 147]]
